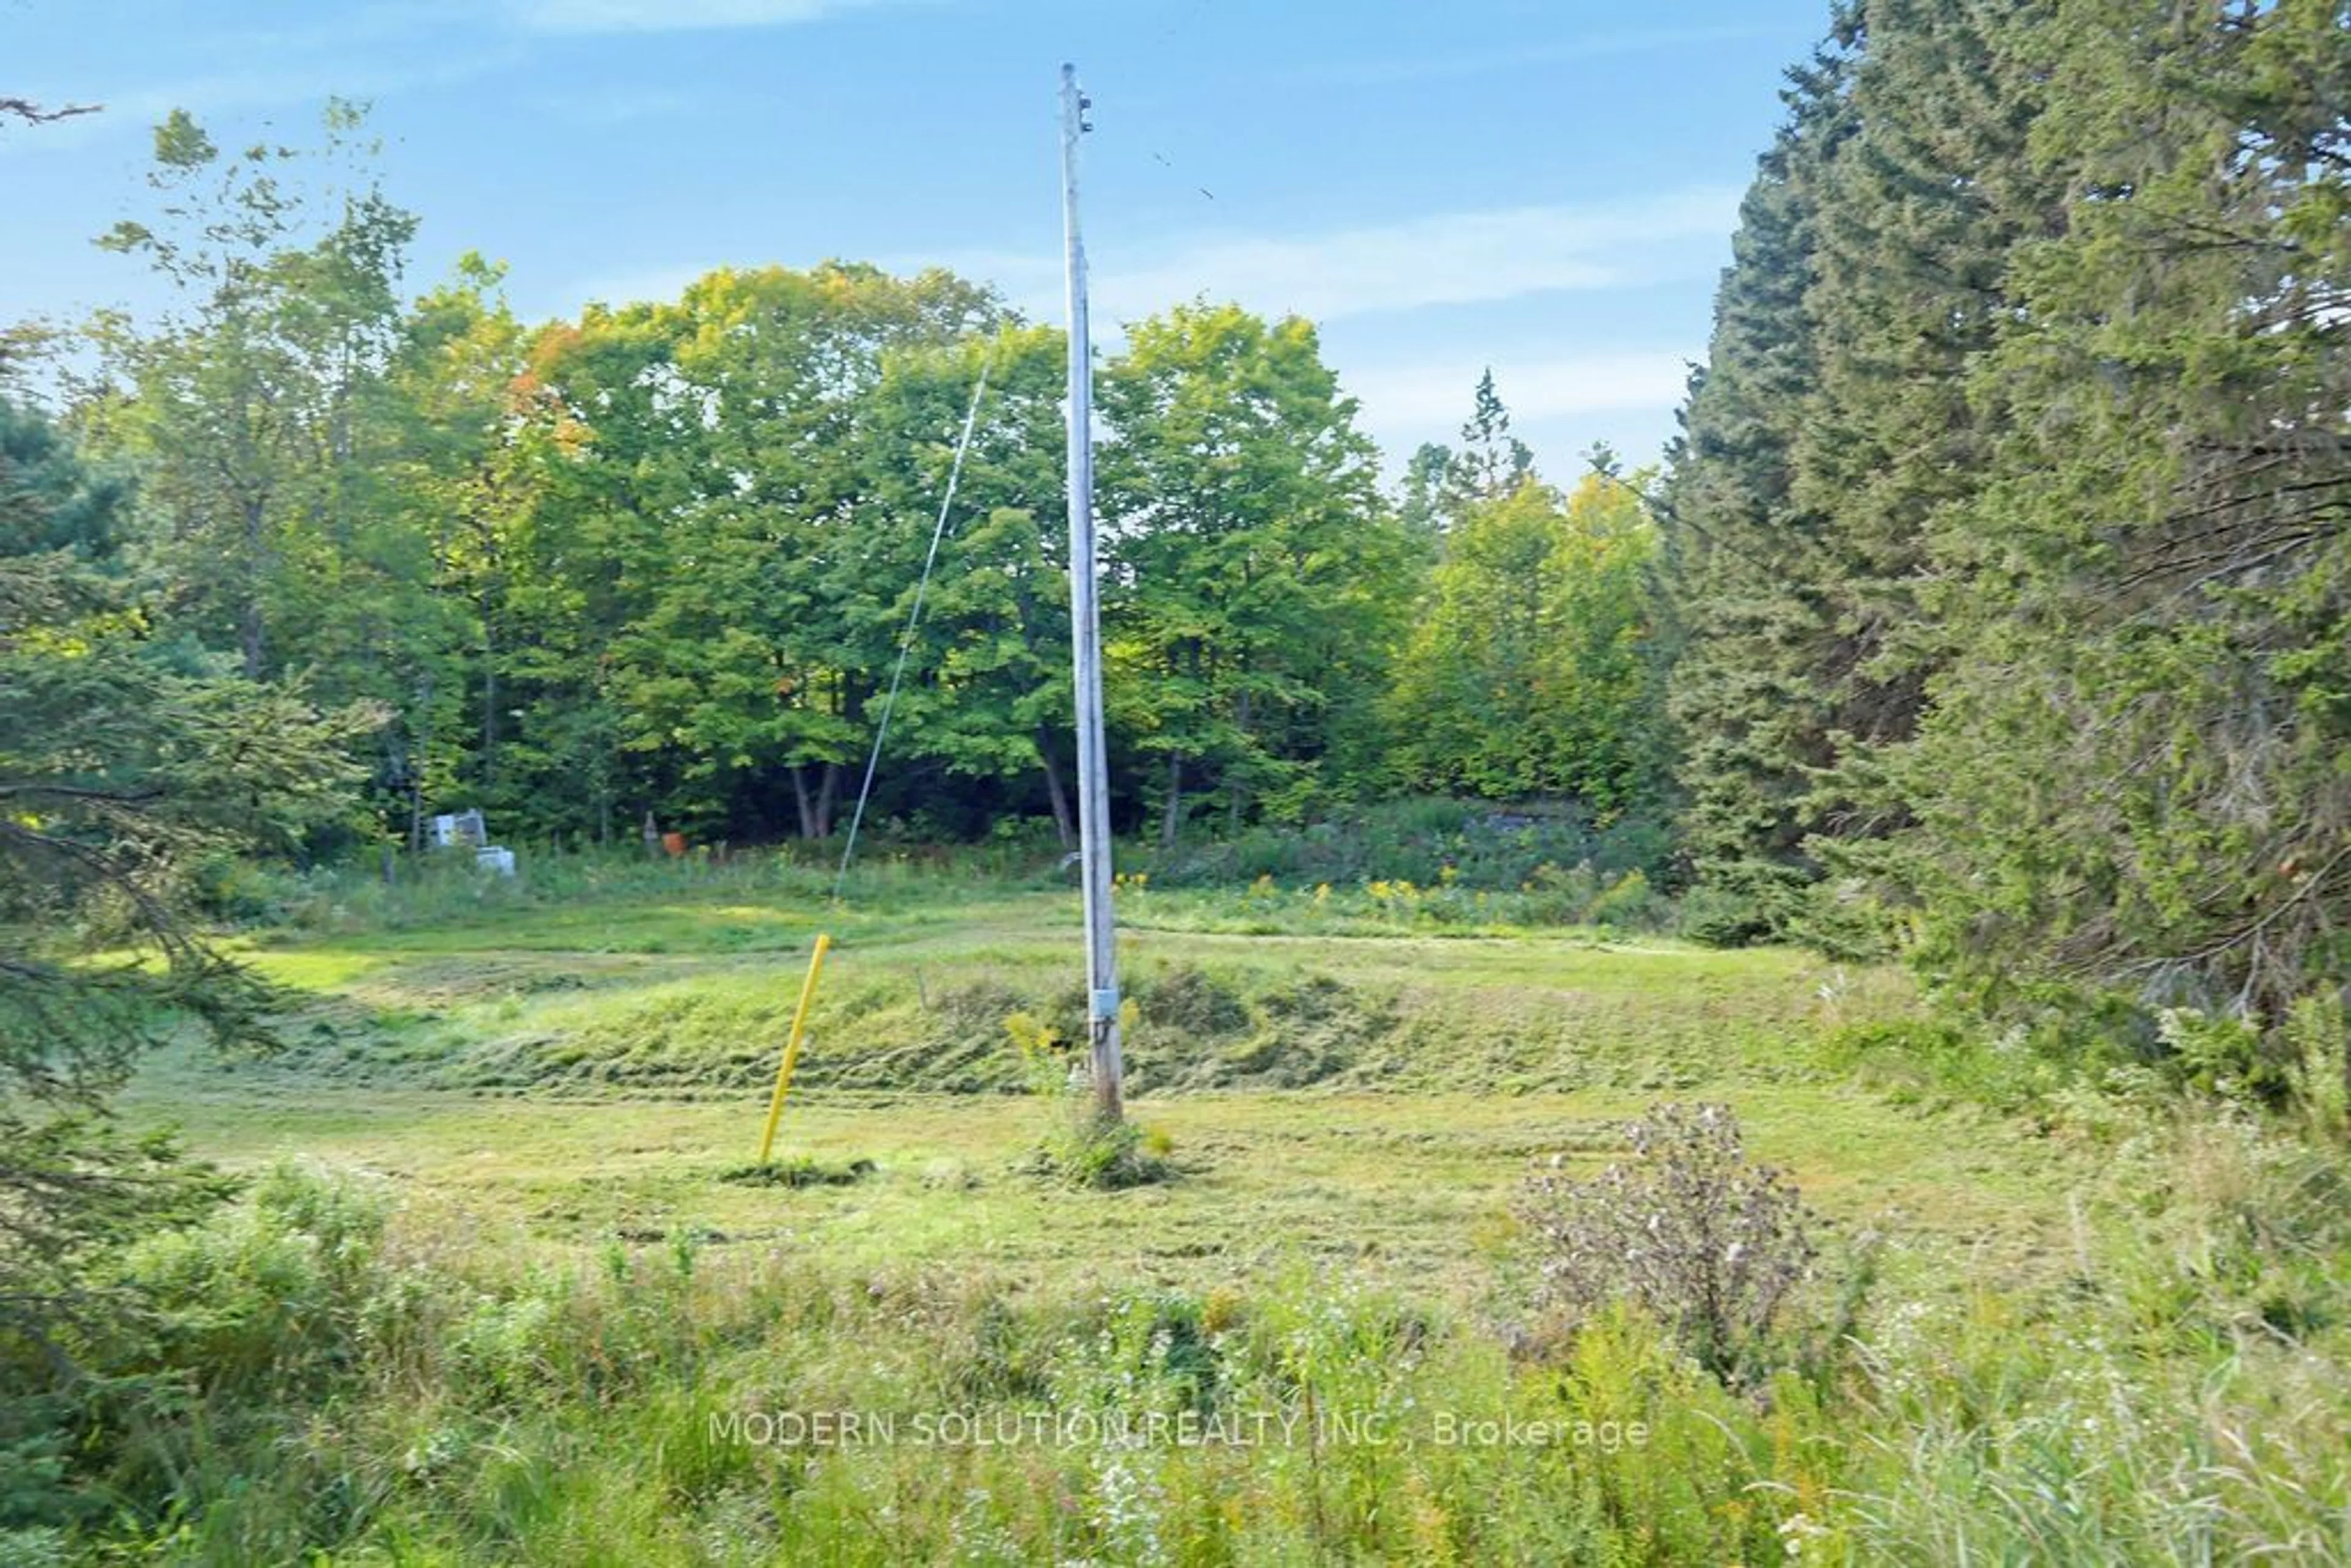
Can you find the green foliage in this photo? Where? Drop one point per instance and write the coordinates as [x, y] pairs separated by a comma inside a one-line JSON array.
[[1743, 902], [264, 1301], [750, 466], [991, 695], [654, 564], [2003, 550], [122, 774], [2179, 1389], [1831, 427], [1938, 1060], [1738, 548], [1429, 842], [1492, 464], [2320, 1072], [1259, 583], [1842, 918], [2161, 573], [1528, 672]]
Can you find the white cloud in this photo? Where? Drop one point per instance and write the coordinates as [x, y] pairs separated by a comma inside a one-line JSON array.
[[1448, 259], [668, 16]]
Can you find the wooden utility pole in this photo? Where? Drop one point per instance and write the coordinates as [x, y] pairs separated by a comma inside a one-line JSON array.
[[1085, 637]]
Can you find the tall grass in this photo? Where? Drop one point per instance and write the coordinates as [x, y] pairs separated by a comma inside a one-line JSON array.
[[1424, 863], [446, 889], [1424, 840], [327, 1374]]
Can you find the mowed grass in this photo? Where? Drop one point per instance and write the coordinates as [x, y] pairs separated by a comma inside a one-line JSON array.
[[502, 1292], [562, 1075], [1409, 1188], [661, 992]]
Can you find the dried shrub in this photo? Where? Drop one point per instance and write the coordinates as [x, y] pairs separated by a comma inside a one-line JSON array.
[[1691, 1232]]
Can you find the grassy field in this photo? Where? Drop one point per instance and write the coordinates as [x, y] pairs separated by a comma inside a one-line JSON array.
[[580, 1071], [509, 1139]]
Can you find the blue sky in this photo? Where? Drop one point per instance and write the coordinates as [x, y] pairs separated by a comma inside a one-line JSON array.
[[1546, 188]]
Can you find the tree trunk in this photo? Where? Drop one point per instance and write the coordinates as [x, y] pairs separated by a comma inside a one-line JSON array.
[[1236, 795], [249, 616], [1175, 812], [1054, 792], [806, 803], [828, 796], [490, 698]]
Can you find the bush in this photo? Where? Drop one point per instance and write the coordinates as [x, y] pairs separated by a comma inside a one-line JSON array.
[[1628, 904], [1736, 905], [1840, 919], [269, 1297], [1425, 842], [32, 1549], [2320, 1038], [1690, 1232], [1086, 1151], [1936, 1057], [2180, 1395], [2220, 1055], [1079, 1146]]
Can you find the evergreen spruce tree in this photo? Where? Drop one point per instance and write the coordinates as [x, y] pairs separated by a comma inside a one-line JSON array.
[[1831, 434], [1742, 559], [2133, 780], [1491, 462], [124, 773]]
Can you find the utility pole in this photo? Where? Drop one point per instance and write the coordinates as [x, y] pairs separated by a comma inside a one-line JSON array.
[[1085, 637]]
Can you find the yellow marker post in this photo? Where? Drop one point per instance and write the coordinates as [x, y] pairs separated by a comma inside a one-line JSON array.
[[792, 1047]]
